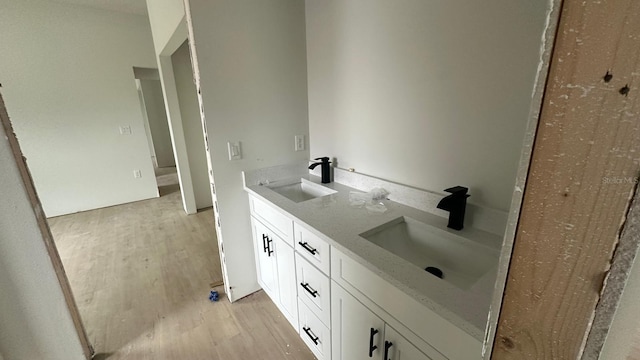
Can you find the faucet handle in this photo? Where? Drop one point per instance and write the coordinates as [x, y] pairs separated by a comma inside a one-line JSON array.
[[458, 190], [323, 159]]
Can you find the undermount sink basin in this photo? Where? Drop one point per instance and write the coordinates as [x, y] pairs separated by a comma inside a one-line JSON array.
[[301, 190], [461, 261]]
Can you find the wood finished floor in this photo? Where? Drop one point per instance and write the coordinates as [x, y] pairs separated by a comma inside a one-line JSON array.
[[141, 275]]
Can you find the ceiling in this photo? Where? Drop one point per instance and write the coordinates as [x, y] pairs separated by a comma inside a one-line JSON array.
[[138, 7]]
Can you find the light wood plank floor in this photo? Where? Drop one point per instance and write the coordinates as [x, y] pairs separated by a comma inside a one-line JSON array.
[[141, 275]]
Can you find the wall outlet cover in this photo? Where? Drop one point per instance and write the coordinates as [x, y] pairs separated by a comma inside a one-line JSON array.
[[235, 151], [299, 143], [125, 130], [137, 174]]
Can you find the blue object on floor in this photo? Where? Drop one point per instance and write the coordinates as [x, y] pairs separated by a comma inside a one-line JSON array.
[[213, 296]]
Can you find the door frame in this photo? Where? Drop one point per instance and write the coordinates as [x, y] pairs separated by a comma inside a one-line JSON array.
[[43, 226], [573, 208]]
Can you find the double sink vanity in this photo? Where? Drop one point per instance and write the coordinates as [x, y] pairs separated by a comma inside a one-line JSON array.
[[353, 282]]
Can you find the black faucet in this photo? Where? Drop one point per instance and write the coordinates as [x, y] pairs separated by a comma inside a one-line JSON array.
[[326, 174], [455, 204]]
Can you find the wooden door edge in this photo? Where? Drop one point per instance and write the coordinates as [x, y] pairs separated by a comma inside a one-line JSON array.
[[43, 225]]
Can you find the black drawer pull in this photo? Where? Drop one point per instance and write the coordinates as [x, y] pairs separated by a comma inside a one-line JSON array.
[[306, 246], [269, 251], [372, 347], [265, 247], [309, 289], [387, 345], [310, 335]]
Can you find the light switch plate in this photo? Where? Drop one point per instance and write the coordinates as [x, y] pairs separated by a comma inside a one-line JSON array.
[[137, 174], [299, 145], [125, 130], [235, 151]]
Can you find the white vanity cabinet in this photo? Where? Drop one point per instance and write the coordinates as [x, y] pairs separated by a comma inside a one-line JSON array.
[[275, 260], [342, 309], [358, 333], [296, 280]]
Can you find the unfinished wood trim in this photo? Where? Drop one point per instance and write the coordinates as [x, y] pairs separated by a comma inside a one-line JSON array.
[[43, 225], [624, 257], [546, 48], [584, 160]]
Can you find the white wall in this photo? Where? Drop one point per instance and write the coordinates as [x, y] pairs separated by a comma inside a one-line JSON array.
[[158, 123], [165, 17], [145, 121], [426, 93], [252, 73], [169, 30], [36, 323], [623, 338], [67, 76], [192, 125]]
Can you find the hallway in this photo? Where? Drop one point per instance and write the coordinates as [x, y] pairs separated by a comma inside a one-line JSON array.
[[141, 273]]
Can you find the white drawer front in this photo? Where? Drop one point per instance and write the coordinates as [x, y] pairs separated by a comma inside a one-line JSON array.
[[278, 222], [314, 333], [314, 289], [312, 248]]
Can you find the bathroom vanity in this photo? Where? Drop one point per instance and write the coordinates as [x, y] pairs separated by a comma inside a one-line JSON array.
[[353, 282]]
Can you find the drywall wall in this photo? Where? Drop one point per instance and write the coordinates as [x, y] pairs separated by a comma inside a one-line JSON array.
[[426, 93], [169, 31], [145, 121], [165, 17], [158, 123], [36, 323], [68, 81], [623, 339], [252, 77], [192, 125]]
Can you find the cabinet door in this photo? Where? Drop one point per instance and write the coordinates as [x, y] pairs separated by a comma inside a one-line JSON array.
[[396, 347], [356, 332], [265, 259], [286, 280]]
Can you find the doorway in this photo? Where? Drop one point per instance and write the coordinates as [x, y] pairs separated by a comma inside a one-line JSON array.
[[81, 129]]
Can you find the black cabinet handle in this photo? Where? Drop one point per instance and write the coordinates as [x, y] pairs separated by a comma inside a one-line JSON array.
[[306, 246], [310, 335], [387, 345], [372, 347], [264, 243], [269, 251], [309, 289]]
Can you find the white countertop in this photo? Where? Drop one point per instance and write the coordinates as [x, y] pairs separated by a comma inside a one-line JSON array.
[[335, 220]]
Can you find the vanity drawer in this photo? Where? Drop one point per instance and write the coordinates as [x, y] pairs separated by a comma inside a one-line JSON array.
[[314, 333], [312, 248], [314, 289], [278, 222]]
